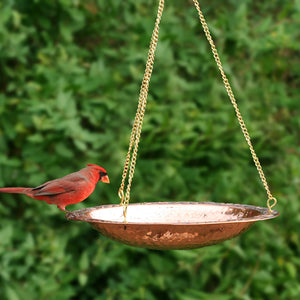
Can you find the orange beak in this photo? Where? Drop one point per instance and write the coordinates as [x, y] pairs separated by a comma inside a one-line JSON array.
[[105, 179]]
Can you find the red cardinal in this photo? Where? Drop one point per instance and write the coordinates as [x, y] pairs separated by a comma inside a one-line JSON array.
[[70, 189]]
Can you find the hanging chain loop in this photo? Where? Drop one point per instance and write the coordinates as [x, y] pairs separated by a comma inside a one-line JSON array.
[[130, 161], [237, 111]]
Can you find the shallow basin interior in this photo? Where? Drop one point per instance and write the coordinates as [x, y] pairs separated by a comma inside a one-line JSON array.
[[174, 213]]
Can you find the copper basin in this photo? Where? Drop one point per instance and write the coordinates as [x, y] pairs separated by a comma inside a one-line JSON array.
[[172, 225]]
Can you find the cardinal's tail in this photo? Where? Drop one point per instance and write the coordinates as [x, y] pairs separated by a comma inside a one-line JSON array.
[[18, 190]]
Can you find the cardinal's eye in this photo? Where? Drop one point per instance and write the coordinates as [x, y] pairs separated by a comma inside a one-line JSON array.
[[102, 174]]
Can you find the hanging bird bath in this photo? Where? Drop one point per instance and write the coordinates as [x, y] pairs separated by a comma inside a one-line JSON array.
[[174, 225]]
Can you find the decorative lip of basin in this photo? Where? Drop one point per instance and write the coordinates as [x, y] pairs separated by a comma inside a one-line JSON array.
[[163, 213], [172, 225]]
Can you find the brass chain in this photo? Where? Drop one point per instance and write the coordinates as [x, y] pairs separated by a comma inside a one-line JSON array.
[[139, 117], [237, 111], [138, 122]]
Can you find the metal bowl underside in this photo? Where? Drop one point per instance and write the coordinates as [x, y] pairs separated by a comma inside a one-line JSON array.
[[172, 225]]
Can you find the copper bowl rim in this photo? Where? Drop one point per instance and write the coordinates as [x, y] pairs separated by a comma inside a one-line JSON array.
[[264, 214]]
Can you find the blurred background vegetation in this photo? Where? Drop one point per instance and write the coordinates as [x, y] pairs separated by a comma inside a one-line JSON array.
[[70, 77]]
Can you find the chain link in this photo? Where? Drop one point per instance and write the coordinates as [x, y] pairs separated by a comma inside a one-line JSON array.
[[237, 111], [139, 117], [130, 161]]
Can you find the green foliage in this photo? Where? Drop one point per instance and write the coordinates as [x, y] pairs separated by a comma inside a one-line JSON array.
[[70, 76]]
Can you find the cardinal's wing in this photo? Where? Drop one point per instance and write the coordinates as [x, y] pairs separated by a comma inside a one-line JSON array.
[[58, 186]]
